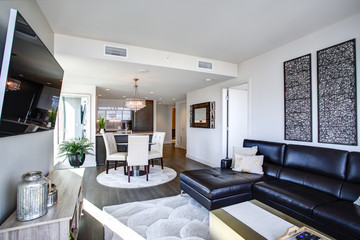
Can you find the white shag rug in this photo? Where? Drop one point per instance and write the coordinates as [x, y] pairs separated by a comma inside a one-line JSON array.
[[170, 218], [117, 179]]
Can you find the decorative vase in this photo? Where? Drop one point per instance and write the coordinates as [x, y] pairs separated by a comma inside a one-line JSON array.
[[102, 130], [75, 161], [32, 194]]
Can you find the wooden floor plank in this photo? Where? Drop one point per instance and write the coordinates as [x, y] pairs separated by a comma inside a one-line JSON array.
[[101, 196]]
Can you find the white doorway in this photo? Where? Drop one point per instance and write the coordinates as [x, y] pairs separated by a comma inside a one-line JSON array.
[[73, 123], [238, 116]]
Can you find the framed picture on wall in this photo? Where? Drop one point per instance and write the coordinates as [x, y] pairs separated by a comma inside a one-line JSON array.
[[337, 110], [201, 115], [297, 99]]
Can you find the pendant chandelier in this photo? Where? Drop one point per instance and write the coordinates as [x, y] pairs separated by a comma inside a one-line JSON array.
[[13, 85], [135, 103]]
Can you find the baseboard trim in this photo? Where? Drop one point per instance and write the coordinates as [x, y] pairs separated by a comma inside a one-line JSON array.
[[179, 146], [201, 160]]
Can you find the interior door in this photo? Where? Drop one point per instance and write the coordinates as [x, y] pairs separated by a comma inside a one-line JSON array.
[[238, 116]]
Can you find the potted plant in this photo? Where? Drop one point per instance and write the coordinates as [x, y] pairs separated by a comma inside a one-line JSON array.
[[76, 150], [52, 117], [102, 122], [129, 125]]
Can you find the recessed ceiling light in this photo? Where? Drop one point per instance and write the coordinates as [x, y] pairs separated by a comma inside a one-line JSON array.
[[124, 96], [48, 83], [143, 70], [152, 92], [99, 95], [160, 103], [108, 89], [167, 59], [146, 97], [160, 98], [174, 99], [208, 80]]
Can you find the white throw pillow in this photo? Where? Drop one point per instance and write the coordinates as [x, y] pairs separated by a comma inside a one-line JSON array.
[[250, 164], [247, 151], [357, 202]]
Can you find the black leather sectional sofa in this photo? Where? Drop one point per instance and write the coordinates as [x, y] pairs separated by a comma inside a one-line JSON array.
[[315, 185]]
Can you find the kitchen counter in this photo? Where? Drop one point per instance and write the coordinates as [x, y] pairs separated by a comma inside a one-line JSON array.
[[125, 133]]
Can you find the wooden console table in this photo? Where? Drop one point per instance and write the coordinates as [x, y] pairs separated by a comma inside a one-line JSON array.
[[60, 219]]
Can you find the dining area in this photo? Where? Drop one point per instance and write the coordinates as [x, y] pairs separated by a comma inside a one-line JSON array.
[[136, 157]]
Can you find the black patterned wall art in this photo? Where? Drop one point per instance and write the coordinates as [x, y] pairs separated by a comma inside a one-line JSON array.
[[337, 115], [297, 86]]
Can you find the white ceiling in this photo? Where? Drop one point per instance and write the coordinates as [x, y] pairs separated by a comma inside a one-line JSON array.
[[228, 30], [157, 84]]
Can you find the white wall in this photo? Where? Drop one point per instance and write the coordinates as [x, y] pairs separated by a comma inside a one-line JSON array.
[[266, 94], [163, 120], [180, 124], [267, 88], [204, 144], [71, 88], [20, 154]]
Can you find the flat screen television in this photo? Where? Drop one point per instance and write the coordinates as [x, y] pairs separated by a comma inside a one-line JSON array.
[[30, 81]]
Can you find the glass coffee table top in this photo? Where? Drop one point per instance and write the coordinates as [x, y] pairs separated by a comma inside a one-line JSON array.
[[251, 220]]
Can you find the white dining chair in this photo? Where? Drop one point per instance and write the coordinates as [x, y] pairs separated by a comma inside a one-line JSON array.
[[138, 152], [156, 151], [112, 155]]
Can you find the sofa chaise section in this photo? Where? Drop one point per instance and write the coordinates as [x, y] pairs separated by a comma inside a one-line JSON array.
[[215, 187]]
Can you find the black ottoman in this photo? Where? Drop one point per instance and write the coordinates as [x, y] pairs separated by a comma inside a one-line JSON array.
[[215, 187]]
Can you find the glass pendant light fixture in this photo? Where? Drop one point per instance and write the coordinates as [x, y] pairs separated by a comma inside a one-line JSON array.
[[135, 103]]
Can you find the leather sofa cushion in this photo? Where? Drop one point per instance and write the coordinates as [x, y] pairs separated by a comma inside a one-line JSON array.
[[291, 195], [350, 191], [216, 183], [341, 215], [273, 155], [322, 183], [353, 168], [321, 161]]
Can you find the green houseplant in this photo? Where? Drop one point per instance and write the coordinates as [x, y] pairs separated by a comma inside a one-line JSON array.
[[52, 117], [129, 125], [102, 123], [76, 150]]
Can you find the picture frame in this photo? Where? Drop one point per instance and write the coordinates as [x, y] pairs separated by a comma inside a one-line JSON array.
[[298, 99], [337, 94], [201, 115]]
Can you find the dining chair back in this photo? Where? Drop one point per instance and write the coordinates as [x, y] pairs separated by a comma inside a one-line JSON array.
[[138, 150], [157, 148], [138, 153], [110, 143], [111, 151], [158, 142]]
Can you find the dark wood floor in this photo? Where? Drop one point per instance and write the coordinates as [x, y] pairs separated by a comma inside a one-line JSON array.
[[101, 196]]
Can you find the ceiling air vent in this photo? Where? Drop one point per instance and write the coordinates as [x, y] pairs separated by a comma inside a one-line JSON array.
[[116, 51], [205, 65]]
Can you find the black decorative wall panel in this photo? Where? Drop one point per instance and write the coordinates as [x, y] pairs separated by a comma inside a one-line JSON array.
[[297, 82], [337, 114]]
